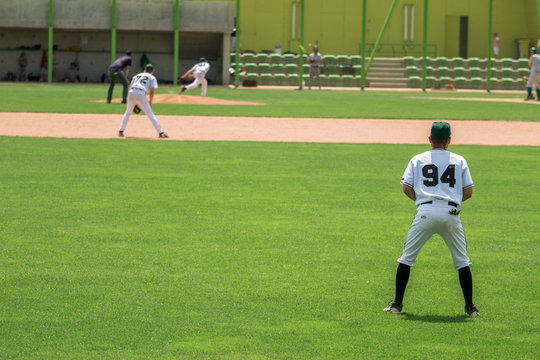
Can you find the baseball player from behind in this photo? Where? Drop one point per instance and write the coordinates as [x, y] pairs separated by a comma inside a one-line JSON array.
[[140, 85], [438, 181], [198, 72]]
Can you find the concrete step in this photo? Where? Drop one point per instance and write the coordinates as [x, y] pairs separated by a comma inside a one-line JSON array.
[[379, 66], [382, 79], [399, 82], [383, 62], [376, 66], [386, 72], [399, 85]]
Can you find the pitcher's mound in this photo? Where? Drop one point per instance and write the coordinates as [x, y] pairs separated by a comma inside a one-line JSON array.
[[191, 100]]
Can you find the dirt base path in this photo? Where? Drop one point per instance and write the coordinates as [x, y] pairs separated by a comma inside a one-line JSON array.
[[102, 126]]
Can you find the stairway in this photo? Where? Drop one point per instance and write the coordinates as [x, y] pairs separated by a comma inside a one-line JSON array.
[[387, 73]]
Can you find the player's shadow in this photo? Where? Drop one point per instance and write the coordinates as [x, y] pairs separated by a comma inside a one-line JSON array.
[[435, 318]]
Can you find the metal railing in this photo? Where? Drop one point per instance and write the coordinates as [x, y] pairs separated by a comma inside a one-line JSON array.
[[399, 50]]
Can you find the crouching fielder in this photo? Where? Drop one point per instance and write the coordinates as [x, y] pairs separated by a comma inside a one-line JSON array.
[[140, 85]]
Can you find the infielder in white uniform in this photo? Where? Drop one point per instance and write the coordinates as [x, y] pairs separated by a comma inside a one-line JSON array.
[[198, 72], [534, 77], [140, 85], [438, 181]]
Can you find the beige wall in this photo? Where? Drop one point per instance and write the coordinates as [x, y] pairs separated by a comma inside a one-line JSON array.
[[142, 25]]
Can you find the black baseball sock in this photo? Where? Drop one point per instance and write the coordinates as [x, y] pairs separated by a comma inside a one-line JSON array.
[[402, 277], [465, 280]]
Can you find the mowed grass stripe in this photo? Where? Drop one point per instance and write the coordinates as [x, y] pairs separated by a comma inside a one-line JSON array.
[[197, 250], [59, 98]]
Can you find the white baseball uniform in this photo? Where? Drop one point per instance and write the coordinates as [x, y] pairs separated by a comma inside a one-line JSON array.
[[140, 85], [314, 68], [534, 60], [199, 71], [495, 44], [438, 178]]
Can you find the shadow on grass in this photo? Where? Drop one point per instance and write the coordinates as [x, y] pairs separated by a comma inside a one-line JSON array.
[[435, 318]]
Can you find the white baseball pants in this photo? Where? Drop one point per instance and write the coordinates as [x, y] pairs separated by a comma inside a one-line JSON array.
[[199, 80], [435, 219], [139, 98], [315, 72], [534, 77]]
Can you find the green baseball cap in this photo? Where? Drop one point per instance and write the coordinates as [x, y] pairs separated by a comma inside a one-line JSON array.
[[440, 130], [149, 67]]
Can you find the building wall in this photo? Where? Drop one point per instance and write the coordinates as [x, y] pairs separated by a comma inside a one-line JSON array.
[[142, 26], [336, 26], [136, 15]]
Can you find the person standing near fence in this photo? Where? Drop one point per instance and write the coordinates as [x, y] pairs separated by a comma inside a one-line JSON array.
[[495, 44], [314, 60], [534, 64]]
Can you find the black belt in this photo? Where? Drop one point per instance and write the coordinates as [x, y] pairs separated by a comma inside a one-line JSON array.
[[451, 203]]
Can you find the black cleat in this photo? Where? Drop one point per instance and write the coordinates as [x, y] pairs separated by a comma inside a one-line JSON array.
[[182, 90], [471, 311], [162, 135], [121, 133], [394, 308]]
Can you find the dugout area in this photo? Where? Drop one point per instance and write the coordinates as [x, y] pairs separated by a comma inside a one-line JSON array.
[[94, 33]]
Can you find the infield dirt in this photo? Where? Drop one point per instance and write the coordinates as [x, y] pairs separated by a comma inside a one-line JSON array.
[[209, 128]]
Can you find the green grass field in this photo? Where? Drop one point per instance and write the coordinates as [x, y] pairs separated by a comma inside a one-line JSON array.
[[280, 103], [115, 249]]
